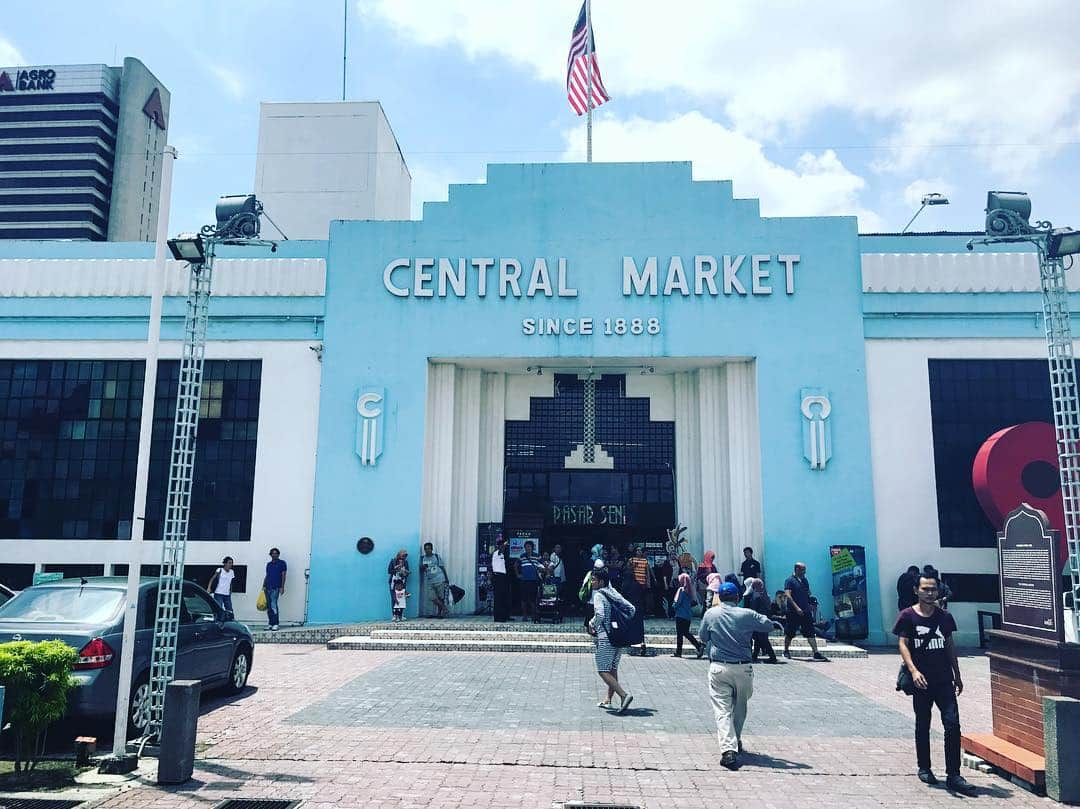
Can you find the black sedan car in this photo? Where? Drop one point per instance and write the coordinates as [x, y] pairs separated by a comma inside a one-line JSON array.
[[87, 614]]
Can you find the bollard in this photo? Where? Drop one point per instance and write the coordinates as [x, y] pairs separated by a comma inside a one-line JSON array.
[[1061, 733], [179, 722]]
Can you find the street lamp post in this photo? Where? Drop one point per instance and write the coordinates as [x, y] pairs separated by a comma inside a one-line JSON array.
[[1007, 214]]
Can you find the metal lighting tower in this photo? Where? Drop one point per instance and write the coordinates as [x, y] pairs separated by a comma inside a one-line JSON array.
[[1007, 215], [238, 222]]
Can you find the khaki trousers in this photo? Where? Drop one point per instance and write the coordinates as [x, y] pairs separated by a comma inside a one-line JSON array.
[[730, 689]]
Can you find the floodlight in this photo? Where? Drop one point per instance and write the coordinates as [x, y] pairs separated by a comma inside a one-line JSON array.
[[188, 247], [1063, 242], [1007, 213], [933, 198], [238, 216]]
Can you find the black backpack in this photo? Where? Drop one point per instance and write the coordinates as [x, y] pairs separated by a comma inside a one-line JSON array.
[[619, 618]]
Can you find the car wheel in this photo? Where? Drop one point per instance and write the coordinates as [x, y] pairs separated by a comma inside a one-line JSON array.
[[139, 707], [239, 671]]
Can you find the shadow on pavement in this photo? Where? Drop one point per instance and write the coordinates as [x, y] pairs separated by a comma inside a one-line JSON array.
[[216, 699], [749, 759], [240, 777]]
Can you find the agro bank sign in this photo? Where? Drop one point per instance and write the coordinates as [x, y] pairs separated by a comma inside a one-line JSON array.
[[699, 276], [38, 78]]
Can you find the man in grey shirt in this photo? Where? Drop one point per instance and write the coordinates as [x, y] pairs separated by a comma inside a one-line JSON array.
[[726, 632]]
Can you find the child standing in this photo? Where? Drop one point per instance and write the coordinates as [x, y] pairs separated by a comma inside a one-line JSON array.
[[400, 599]]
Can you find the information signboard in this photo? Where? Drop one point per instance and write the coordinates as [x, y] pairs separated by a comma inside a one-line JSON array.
[[1030, 584], [848, 563]]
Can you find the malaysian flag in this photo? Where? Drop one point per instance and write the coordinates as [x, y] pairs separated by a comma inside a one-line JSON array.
[[578, 65]]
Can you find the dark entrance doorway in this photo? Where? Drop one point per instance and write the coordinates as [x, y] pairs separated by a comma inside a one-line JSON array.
[[632, 502]]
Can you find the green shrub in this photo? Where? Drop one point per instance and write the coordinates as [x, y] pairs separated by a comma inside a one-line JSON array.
[[36, 679]]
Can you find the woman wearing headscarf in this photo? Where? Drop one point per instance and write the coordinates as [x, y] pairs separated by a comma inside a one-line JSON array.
[[607, 656], [684, 600], [397, 570], [757, 599], [712, 591], [702, 577]]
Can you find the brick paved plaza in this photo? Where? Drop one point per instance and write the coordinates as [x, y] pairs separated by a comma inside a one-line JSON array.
[[380, 729]]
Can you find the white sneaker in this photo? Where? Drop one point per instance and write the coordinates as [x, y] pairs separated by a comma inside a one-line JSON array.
[[273, 628]]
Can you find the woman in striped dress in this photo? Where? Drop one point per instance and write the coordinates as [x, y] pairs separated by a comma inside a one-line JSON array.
[[607, 656]]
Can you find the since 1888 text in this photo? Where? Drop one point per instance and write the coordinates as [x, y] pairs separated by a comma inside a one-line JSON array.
[[609, 326]]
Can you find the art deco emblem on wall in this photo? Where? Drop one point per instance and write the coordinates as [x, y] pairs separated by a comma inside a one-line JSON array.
[[817, 432], [370, 404]]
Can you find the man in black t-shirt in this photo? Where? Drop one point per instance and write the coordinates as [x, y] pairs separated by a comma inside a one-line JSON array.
[[906, 586], [926, 647], [751, 567]]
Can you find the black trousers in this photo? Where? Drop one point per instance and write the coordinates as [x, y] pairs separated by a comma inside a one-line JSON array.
[[944, 696], [682, 630], [501, 596], [763, 644]]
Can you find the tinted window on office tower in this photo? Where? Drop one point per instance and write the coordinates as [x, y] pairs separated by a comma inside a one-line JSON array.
[[69, 436], [221, 497], [970, 400]]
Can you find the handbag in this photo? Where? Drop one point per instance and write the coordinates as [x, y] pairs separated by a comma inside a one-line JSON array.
[[904, 681], [260, 602], [619, 618], [456, 593]]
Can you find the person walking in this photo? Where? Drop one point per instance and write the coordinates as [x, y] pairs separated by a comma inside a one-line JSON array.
[[906, 586], [684, 600], [500, 581], [604, 596], [274, 585], [727, 630], [925, 637], [800, 613], [220, 585], [758, 601], [433, 583]]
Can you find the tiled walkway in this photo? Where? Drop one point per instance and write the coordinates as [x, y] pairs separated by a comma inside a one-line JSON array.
[[475, 730]]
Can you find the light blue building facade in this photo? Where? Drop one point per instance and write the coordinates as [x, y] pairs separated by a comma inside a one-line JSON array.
[[572, 353]]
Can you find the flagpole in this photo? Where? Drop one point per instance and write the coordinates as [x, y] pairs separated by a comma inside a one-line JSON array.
[[589, 71]]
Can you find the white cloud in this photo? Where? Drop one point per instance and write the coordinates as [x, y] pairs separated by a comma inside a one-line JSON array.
[[999, 77], [818, 185], [231, 81], [9, 54]]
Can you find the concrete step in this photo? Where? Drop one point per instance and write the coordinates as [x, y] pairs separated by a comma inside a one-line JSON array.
[[579, 645], [534, 636]]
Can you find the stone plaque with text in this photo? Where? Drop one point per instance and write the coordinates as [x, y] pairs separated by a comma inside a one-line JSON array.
[[1030, 584]]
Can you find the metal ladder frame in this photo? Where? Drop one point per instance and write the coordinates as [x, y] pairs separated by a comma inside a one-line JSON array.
[[181, 475], [1066, 399]]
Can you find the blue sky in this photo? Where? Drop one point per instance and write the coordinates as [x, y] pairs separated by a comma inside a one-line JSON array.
[[837, 108]]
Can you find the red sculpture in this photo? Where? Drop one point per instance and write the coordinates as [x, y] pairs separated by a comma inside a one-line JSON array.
[[1019, 464]]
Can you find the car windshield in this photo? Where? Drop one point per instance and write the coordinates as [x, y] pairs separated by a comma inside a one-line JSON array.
[[69, 605]]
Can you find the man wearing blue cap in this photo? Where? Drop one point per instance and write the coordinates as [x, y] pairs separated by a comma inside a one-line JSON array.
[[726, 632]]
